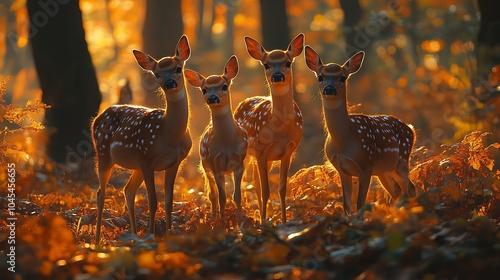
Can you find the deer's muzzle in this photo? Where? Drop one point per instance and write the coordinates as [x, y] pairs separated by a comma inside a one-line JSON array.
[[329, 90], [213, 99], [278, 77], [170, 83]]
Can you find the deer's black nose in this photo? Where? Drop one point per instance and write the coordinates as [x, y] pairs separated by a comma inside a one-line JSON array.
[[213, 99], [170, 83], [277, 77], [329, 90]]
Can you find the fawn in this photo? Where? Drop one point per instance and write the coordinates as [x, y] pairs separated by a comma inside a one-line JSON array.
[[357, 144], [146, 140], [273, 123], [223, 144]]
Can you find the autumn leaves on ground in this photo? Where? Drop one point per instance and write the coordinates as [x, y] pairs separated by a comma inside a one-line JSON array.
[[450, 230]]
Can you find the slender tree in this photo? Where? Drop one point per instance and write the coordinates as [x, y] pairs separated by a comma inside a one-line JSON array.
[[162, 28], [275, 31], [352, 16], [488, 37], [67, 78], [205, 23]]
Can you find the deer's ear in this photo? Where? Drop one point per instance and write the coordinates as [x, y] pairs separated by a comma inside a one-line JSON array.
[[296, 46], [194, 78], [231, 69], [353, 64], [183, 50], [144, 60], [255, 49], [313, 61]]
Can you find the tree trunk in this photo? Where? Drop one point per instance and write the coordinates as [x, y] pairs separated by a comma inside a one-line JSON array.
[[488, 37], [205, 23], [67, 78], [161, 31], [231, 11], [352, 16], [11, 60], [275, 31], [162, 28]]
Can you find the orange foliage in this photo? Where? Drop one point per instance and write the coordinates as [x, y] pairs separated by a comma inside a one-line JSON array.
[[450, 230]]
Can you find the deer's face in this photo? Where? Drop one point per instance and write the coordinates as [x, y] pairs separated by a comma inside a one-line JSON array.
[[332, 81], [332, 77], [277, 65], [215, 88], [215, 91], [167, 70]]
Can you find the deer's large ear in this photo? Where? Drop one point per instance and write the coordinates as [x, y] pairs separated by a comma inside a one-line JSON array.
[[231, 69], [353, 64], [183, 50], [194, 78], [255, 49], [144, 60], [313, 61], [296, 46]]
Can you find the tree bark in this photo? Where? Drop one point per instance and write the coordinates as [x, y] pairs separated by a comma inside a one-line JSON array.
[[162, 28], [161, 31], [488, 37], [275, 31], [67, 78], [352, 16], [205, 23]]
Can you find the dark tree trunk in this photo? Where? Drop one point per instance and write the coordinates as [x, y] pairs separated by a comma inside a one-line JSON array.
[[352, 16], [488, 36], [231, 11], [67, 78], [162, 28], [205, 23], [414, 31], [275, 31], [11, 61]]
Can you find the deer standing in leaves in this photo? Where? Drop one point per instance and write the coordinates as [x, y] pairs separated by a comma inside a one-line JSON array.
[[273, 123], [146, 140], [223, 144], [357, 144]]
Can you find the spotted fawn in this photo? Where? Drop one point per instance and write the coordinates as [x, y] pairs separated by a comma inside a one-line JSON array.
[[223, 144], [273, 123], [361, 145], [145, 140]]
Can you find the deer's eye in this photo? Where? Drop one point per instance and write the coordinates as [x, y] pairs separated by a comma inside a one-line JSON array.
[[266, 66], [204, 90], [342, 79], [178, 70], [224, 88], [320, 78], [288, 64]]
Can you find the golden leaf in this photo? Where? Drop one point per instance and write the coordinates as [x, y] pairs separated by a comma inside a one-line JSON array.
[[148, 260], [454, 193]]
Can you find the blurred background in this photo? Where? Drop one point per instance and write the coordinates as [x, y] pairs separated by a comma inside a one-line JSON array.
[[430, 63]]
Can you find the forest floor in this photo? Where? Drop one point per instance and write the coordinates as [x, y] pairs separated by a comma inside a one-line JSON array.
[[450, 230]]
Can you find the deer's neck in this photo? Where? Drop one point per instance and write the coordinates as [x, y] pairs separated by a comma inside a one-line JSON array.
[[223, 123], [177, 113], [282, 99], [337, 121]]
